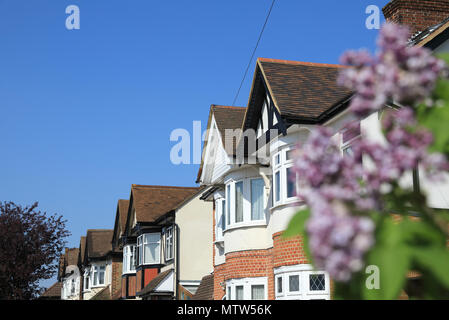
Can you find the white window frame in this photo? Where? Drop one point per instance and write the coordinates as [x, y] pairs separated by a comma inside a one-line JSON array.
[[282, 166], [220, 214], [230, 186], [169, 243], [96, 269], [250, 199], [304, 271], [247, 284], [129, 259], [86, 279], [142, 243]]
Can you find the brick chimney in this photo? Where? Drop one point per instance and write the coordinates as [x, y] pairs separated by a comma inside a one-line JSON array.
[[418, 15]]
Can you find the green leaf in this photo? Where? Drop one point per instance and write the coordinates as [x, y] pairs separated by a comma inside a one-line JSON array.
[[444, 56], [392, 258], [436, 261], [297, 225], [436, 119]]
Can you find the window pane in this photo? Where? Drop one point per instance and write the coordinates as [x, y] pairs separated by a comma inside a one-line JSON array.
[[293, 283], [257, 188], [239, 293], [101, 275], [152, 237], [151, 252], [291, 177], [95, 281], [317, 282], [228, 204], [223, 219], [279, 283], [277, 186], [239, 201], [258, 292]]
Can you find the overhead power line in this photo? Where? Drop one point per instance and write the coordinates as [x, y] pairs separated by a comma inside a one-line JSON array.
[[254, 52]]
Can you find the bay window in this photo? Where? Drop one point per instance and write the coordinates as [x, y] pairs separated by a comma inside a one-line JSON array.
[[245, 202], [129, 259], [169, 244], [247, 289], [220, 219], [149, 246], [300, 282], [86, 280]]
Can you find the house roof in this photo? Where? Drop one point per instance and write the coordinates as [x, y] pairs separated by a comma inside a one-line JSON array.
[[122, 208], [430, 34], [98, 242], [54, 291], [206, 289], [72, 256], [152, 202], [82, 249], [226, 117], [155, 282], [302, 90]]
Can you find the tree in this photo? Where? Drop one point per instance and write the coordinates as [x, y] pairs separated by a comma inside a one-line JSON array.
[[30, 245]]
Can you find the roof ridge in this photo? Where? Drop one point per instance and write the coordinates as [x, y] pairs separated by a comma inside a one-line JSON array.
[[228, 107], [160, 187], [311, 64]]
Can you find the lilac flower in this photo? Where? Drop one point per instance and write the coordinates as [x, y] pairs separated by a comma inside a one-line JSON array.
[[398, 73]]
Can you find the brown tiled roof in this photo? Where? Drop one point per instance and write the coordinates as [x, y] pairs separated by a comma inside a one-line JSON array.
[[98, 242], [72, 256], [54, 291], [303, 90], [152, 202], [123, 212], [155, 282], [226, 117], [206, 289], [82, 249]]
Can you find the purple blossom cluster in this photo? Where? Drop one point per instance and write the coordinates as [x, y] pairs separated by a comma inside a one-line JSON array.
[[398, 73], [342, 190]]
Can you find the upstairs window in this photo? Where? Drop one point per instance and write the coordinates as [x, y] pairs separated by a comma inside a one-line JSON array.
[[239, 201], [98, 275], [129, 259], [149, 247], [351, 133], [285, 181], [257, 205], [86, 280], [169, 244], [245, 202]]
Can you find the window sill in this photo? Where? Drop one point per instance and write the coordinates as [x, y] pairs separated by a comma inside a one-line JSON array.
[[128, 273], [287, 203], [98, 286], [261, 223]]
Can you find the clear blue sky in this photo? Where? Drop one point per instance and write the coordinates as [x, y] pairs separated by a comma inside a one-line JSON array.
[[86, 113]]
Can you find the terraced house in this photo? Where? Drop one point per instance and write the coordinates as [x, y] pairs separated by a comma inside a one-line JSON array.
[[248, 177], [69, 275], [165, 235]]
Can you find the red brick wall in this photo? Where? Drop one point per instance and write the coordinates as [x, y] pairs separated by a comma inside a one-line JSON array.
[[288, 251], [124, 287], [150, 273], [138, 280], [116, 281], [417, 14], [132, 282], [245, 264]]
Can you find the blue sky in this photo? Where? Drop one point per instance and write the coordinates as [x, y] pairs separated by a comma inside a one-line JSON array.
[[86, 113]]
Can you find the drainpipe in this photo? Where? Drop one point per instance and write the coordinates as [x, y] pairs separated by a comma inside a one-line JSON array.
[[176, 261]]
